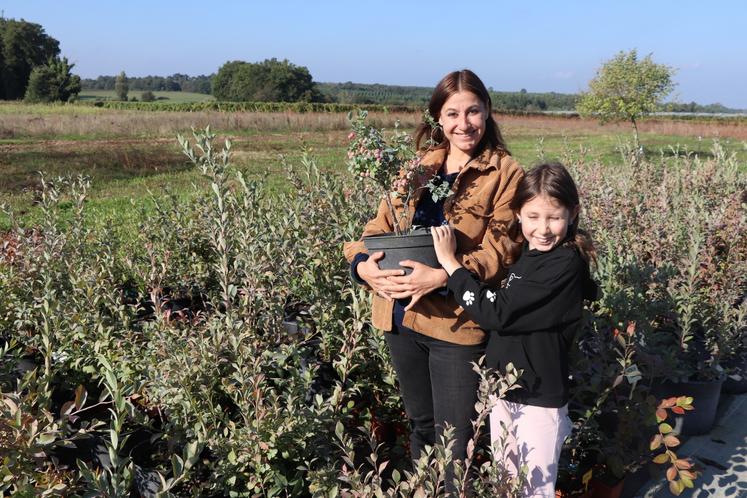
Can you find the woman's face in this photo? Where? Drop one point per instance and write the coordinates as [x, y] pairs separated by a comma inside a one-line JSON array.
[[463, 117]]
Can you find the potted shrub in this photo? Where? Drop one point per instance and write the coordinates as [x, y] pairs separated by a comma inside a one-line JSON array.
[[689, 342], [393, 168], [673, 244], [610, 408]]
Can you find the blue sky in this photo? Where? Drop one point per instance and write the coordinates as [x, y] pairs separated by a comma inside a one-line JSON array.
[[540, 46]]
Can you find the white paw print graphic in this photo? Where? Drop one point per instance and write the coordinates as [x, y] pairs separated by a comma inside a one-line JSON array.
[[491, 296], [469, 298]]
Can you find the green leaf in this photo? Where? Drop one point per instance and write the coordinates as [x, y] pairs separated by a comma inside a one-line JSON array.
[[676, 487], [177, 465], [191, 450], [46, 438], [57, 488]]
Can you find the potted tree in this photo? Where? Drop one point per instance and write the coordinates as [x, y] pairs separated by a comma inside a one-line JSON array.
[[393, 168]]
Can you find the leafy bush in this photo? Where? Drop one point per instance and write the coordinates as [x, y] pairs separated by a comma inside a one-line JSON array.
[[674, 241], [225, 351], [52, 82]]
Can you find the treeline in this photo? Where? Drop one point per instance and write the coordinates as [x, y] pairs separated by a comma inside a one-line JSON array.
[[521, 101], [697, 108], [358, 93], [175, 83], [532, 102], [225, 106], [233, 87]]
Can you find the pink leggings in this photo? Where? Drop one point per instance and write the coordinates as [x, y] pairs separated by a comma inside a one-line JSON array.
[[533, 437]]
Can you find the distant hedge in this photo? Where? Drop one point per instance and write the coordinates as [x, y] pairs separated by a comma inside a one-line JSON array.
[[246, 106], [302, 107]]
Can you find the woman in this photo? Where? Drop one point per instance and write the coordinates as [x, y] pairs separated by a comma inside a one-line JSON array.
[[431, 341]]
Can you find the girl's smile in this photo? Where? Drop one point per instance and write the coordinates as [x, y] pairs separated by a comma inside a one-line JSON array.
[[544, 222]]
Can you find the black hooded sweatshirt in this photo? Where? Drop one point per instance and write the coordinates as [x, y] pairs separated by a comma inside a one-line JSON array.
[[532, 320]]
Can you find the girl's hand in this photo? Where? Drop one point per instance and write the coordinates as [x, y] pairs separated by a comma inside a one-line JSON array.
[[444, 241], [375, 278], [417, 284]]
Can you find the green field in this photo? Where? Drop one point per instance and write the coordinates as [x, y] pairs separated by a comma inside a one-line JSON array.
[[160, 96], [166, 293], [131, 154]]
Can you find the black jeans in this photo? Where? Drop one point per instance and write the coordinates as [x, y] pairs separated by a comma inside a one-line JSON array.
[[437, 385]]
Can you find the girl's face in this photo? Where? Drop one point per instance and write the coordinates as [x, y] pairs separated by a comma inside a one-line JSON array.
[[463, 117], [544, 222]]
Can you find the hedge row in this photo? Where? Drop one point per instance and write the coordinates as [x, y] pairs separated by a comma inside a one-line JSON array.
[[246, 106], [303, 107]]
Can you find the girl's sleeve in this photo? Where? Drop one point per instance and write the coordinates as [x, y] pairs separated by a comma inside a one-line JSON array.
[[539, 301]]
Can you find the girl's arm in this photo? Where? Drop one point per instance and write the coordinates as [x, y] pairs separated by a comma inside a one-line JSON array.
[[541, 299], [444, 242]]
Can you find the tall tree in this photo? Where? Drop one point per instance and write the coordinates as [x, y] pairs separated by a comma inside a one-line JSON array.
[[24, 45], [52, 82], [625, 89], [267, 81], [223, 80], [121, 87]]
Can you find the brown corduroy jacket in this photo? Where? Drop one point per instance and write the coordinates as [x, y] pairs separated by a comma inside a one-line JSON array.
[[479, 211]]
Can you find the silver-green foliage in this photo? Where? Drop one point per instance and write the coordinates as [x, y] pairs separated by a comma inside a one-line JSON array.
[[672, 235], [175, 347]]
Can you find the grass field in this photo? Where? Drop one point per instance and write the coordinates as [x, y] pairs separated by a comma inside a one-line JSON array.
[[131, 153], [160, 96]]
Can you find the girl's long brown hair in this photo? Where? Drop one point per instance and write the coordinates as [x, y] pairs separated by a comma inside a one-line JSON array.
[[554, 181], [454, 82]]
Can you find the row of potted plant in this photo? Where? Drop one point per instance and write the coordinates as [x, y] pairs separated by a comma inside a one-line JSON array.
[[162, 360]]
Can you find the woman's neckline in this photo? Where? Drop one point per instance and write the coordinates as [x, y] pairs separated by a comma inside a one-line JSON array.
[[464, 160]]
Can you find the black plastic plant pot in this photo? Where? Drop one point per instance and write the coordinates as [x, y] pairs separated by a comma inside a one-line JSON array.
[[705, 396], [416, 245]]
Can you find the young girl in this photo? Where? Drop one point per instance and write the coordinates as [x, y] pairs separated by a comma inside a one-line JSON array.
[[532, 319]]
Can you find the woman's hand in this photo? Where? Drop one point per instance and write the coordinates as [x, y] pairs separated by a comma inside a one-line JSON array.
[[377, 279], [444, 242], [417, 284]]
